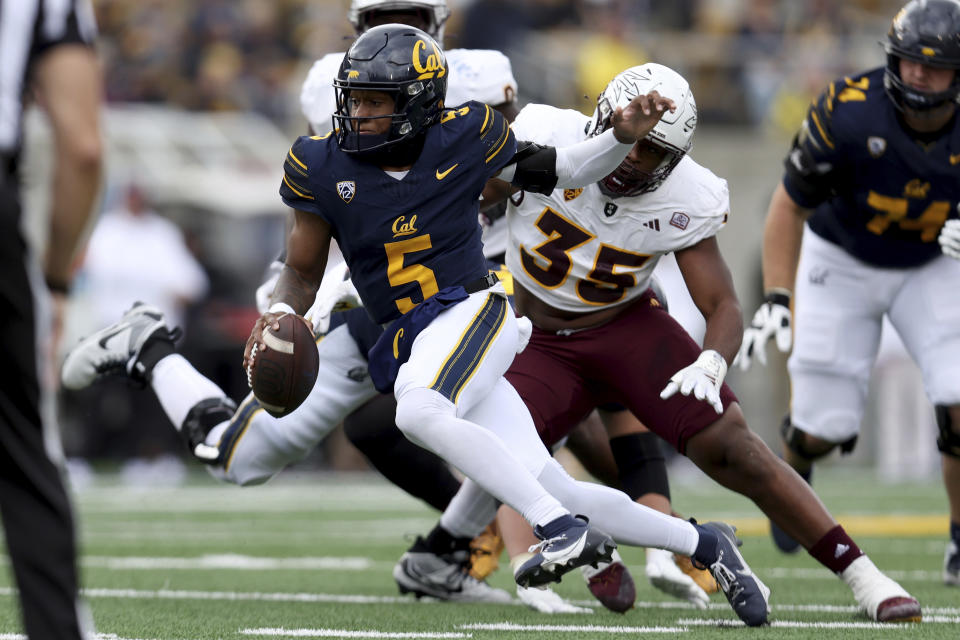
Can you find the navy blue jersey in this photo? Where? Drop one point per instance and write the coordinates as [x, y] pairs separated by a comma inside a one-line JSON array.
[[405, 240], [878, 191], [366, 332]]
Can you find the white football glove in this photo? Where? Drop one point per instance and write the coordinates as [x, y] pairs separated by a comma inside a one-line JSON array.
[[547, 601], [703, 378], [772, 319], [336, 293], [665, 575], [265, 290], [950, 238]]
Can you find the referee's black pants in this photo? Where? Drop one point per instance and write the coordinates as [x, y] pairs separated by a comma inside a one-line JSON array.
[[34, 506]]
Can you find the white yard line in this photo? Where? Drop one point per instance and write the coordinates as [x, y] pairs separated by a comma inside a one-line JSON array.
[[227, 561], [568, 628], [345, 633], [96, 636], [796, 624]]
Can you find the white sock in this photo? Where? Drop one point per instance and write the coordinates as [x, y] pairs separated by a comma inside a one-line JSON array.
[[470, 511], [429, 419], [615, 513], [179, 387]]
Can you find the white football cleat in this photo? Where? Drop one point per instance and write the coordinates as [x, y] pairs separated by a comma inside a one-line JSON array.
[[546, 600], [445, 577], [951, 565], [116, 348], [665, 575], [879, 597]]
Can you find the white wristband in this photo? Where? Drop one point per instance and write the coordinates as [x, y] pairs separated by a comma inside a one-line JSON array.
[[714, 364], [281, 307]]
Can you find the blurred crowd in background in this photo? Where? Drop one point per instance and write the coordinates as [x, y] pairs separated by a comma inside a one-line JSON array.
[[754, 66], [752, 61]]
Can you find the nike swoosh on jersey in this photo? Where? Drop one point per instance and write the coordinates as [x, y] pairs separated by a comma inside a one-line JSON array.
[[443, 174]]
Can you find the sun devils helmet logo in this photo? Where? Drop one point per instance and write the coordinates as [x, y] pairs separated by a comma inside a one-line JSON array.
[[347, 189]]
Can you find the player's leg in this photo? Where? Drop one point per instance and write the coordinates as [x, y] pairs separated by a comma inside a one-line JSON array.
[[439, 564], [245, 445], [34, 506], [634, 365], [254, 446], [455, 364], [613, 511], [642, 470], [928, 321], [834, 348], [518, 538], [455, 369], [372, 430]]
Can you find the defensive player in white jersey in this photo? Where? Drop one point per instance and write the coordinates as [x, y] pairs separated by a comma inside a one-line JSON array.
[[582, 261]]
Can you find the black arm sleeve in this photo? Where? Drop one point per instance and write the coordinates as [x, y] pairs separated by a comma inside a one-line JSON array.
[[536, 167]]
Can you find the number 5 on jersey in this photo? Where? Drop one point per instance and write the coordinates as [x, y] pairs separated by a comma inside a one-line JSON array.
[[399, 275]]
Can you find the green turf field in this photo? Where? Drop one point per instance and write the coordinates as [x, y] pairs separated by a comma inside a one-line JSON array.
[[310, 557]]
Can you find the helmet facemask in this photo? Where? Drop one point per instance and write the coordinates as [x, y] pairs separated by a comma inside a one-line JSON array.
[[627, 180]]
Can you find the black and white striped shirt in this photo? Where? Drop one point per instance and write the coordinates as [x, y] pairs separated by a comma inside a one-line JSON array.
[[28, 28]]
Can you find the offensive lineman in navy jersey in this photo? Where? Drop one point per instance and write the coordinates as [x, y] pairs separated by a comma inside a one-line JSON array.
[[397, 184], [874, 173]]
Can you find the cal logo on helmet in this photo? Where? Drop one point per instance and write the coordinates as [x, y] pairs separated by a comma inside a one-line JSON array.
[[431, 66], [347, 189]]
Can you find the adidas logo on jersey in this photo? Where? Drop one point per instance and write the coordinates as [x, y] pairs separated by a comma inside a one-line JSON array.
[[652, 224]]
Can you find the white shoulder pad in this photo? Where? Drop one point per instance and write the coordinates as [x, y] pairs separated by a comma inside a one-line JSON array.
[[479, 74], [548, 125], [701, 201], [316, 97], [706, 193]]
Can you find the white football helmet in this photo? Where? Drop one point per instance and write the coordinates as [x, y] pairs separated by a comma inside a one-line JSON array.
[[674, 132], [436, 12]]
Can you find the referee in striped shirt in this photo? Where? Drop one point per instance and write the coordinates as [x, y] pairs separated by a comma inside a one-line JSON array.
[[46, 56]]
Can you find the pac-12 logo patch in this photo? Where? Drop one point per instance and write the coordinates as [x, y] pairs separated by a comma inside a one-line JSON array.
[[347, 189], [609, 209], [680, 220]]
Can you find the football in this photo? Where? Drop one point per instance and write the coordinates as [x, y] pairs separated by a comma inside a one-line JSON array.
[[282, 374]]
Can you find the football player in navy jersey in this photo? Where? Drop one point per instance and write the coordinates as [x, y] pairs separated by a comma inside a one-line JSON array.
[[871, 182], [397, 184]]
